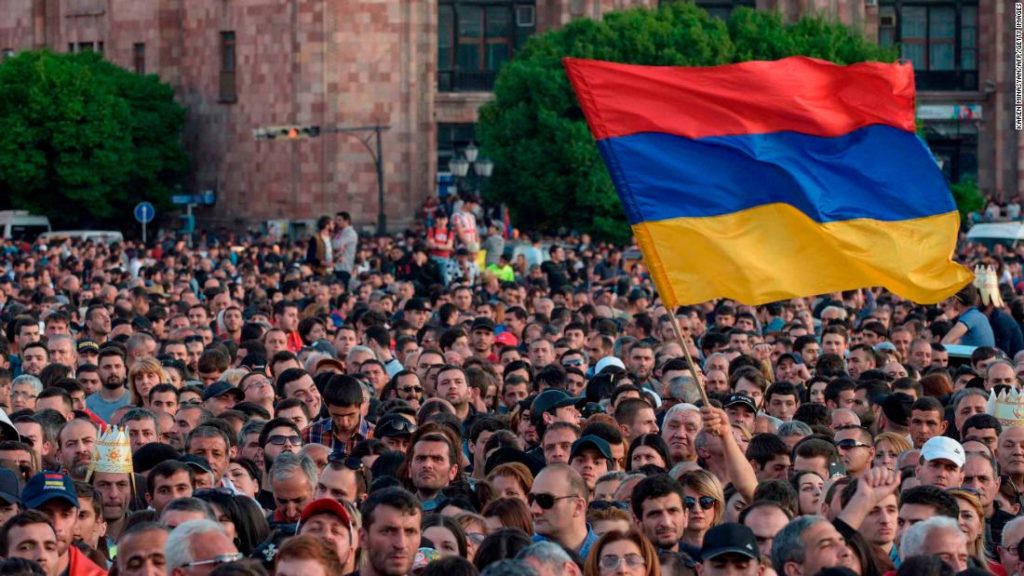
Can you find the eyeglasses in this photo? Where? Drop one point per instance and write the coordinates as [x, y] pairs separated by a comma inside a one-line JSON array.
[[192, 339], [476, 537], [850, 444], [612, 562], [222, 559], [706, 502], [281, 440], [411, 389], [546, 501], [598, 505], [572, 363], [350, 462]]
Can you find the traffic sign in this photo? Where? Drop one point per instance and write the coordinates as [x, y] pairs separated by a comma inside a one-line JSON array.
[[182, 199], [144, 212]]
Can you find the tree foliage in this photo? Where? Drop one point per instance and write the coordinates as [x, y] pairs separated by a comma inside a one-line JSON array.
[[968, 197], [547, 167], [82, 140]]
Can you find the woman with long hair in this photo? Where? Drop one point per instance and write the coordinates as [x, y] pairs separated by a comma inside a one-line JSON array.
[[508, 513], [888, 447], [704, 500], [617, 552], [972, 522], [447, 535], [145, 373], [511, 480], [647, 449], [240, 516], [810, 488]]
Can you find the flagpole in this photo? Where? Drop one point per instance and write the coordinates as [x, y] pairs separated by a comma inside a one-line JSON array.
[[689, 359]]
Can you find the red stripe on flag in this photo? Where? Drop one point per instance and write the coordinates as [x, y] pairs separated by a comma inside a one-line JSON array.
[[795, 94]]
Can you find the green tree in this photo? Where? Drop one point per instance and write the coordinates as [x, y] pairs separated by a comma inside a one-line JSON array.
[[547, 167], [82, 140], [968, 197]]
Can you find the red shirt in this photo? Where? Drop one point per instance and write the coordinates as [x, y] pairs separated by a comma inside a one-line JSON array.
[[440, 236]]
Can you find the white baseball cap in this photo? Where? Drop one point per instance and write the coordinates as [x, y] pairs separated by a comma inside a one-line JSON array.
[[943, 448]]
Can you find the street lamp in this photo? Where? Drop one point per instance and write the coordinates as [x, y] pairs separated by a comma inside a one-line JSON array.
[[460, 165]]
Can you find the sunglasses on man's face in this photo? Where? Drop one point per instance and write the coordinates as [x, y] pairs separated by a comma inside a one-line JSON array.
[[281, 440], [850, 444], [545, 501], [706, 502], [411, 390]]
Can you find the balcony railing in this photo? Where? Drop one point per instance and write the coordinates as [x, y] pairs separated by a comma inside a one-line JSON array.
[[466, 80]]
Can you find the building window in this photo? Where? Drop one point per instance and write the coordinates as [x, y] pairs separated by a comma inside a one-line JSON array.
[[8, 53], [940, 40], [139, 57], [720, 9], [228, 86], [476, 38], [85, 47]]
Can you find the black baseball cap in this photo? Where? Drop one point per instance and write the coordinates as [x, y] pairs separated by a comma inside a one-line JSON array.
[[218, 389], [730, 538], [741, 400], [550, 400], [482, 324], [591, 441], [197, 463]]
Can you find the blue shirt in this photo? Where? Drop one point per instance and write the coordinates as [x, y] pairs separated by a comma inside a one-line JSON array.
[[105, 409], [979, 331], [584, 550]]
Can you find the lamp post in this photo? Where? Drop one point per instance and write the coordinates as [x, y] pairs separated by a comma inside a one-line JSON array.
[[369, 136], [364, 134], [460, 166]]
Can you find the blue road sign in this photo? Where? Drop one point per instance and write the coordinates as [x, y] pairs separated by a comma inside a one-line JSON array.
[[144, 212], [181, 199]]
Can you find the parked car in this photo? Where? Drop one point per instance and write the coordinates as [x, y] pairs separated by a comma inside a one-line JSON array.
[[1009, 234], [105, 236], [20, 225]]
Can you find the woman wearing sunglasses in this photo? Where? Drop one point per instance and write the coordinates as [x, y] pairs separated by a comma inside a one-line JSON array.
[[647, 449], [704, 501], [620, 553]]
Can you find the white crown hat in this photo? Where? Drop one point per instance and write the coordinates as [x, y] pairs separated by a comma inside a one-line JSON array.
[[1007, 407], [112, 453], [987, 283]]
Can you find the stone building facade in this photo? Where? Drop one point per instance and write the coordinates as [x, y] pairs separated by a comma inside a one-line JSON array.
[[422, 68]]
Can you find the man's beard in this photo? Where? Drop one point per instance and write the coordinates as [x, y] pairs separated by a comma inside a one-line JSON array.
[[113, 383]]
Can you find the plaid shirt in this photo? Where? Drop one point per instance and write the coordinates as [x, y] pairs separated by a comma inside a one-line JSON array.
[[321, 432]]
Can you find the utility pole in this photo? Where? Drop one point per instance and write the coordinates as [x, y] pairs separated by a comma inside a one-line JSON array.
[[362, 133]]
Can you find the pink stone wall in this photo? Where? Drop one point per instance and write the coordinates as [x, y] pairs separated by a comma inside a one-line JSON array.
[[336, 63]]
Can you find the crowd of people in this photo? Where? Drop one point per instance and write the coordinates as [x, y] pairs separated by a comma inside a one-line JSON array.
[[448, 402]]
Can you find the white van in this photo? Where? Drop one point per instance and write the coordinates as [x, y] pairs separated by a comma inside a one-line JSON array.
[[96, 236], [20, 225], [1007, 233]]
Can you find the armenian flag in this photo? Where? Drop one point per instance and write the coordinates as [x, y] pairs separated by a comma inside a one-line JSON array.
[[763, 181]]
